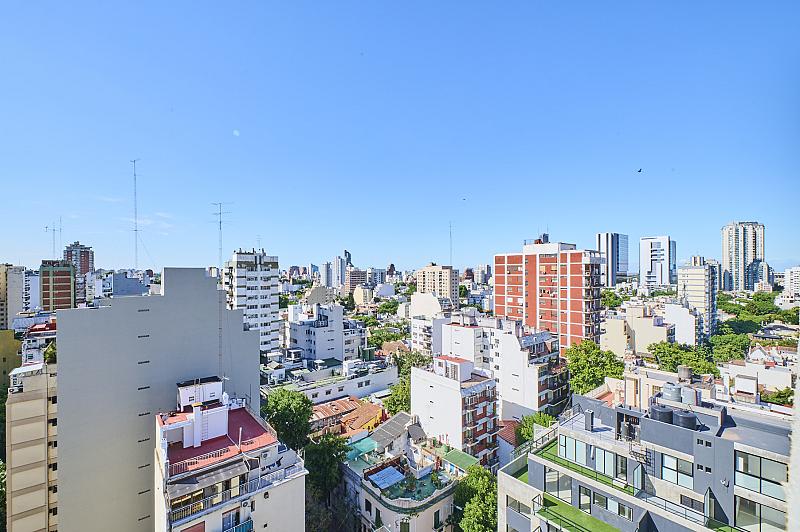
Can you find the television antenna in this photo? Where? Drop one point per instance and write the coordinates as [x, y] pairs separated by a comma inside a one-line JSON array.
[[135, 219]]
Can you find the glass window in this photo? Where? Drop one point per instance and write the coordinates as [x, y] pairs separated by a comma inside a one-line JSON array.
[[747, 514], [565, 488], [622, 467], [585, 502], [612, 505], [517, 506], [760, 474], [625, 512], [677, 471], [580, 452], [772, 520], [600, 500], [550, 481]]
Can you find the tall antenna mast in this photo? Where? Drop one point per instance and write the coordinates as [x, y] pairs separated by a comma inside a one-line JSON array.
[[52, 230], [221, 279], [135, 220], [451, 243], [60, 237], [219, 214]]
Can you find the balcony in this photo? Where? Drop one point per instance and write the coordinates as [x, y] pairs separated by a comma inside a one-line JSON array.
[[567, 517], [550, 453], [246, 526]]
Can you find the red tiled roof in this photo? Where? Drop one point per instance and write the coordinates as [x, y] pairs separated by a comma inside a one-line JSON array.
[[334, 408], [253, 436], [451, 359], [508, 431]]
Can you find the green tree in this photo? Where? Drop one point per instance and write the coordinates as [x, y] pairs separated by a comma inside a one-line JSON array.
[[369, 321], [289, 413], [349, 303], [411, 359], [589, 365], [388, 307], [475, 501], [322, 459], [780, 397], [525, 430], [284, 300], [51, 352], [670, 356], [463, 291], [727, 347], [378, 336], [400, 398], [411, 289], [610, 299]]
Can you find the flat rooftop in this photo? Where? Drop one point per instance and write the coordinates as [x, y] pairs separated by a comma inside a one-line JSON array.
[[215, 450]]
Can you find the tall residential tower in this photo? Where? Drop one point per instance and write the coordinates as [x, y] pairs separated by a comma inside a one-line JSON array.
[[742, 251], [614, 248]]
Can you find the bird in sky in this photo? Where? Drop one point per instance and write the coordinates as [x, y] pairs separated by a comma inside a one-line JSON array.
[[639, 170]]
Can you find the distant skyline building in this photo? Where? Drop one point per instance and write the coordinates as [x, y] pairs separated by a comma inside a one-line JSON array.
[[657, 261], [614, 247], [339, 268], [742, 247], [791, 283], [697, 287], [250, 280], [57, 285], [439, 280], [12, 293], [81, 256], [326, 274]]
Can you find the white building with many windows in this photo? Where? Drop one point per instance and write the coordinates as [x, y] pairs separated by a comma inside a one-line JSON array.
[[250, 279], [322, 332], [657, 261]]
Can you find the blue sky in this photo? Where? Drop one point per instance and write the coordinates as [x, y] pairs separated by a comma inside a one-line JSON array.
[[370, 126]]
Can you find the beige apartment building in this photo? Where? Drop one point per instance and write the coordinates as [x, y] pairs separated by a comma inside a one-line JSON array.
[[632, 331], [439, 280], [32, 449]]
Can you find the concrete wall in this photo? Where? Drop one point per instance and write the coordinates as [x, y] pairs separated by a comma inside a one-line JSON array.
[[118, 366]]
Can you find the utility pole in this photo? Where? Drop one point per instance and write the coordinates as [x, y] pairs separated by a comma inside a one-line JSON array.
[[451, 243], [135, 220]]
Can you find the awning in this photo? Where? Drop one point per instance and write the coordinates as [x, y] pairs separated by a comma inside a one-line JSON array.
[[194, 483]]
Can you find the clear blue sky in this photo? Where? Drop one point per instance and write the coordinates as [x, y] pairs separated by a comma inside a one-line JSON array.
[[369, 126]]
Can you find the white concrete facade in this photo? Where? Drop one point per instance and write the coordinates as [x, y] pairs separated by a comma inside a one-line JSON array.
[[118, 365], [614, 248], [657, 261], [321, 331], [697, 287], [250, 280]]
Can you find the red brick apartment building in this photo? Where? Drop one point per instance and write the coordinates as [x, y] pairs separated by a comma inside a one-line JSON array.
[[550, 286]]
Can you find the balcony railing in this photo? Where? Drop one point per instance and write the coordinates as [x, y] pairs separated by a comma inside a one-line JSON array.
[[246, 526], [241, 491]]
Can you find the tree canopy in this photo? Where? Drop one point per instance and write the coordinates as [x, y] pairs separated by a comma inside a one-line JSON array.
[[463, 291], [525, 430], [289, 413], [610, 299], [51, 353], [388, 307], [400, 398], [411, 359], [589, 365], [727, 347], [779, 397], [378, 336], [322, 460], [670, 356], [476, 494]]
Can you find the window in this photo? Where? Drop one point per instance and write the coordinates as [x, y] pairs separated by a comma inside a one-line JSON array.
[[760, 474], [557, 484], [694, 504], [585, 499], [517, 506], [572, 449], [600, 500], [367, 506], [677, 471], [756, 517], [604, 462], [625, 512]]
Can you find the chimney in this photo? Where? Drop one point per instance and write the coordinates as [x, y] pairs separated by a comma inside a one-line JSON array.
[[588, 421]]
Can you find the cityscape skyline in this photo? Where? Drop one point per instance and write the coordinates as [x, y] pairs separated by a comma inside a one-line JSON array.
[[200, 104]]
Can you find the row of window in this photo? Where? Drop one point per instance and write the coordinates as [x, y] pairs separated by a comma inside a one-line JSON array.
[[677, 471], [587, 498], [760, 474]]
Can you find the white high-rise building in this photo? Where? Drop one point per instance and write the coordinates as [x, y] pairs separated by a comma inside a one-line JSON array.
[[339, 270], [791, 283], [30, 297], [376, 276], [742, 248], [657, 261], [322, 332], [697, 287], [326, 275], [250, 279], [614, 248], [117, 367]]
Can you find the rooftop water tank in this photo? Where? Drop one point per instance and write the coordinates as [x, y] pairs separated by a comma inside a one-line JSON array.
[[661, 413], [684, 373], [671, 392], [685, 419]]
